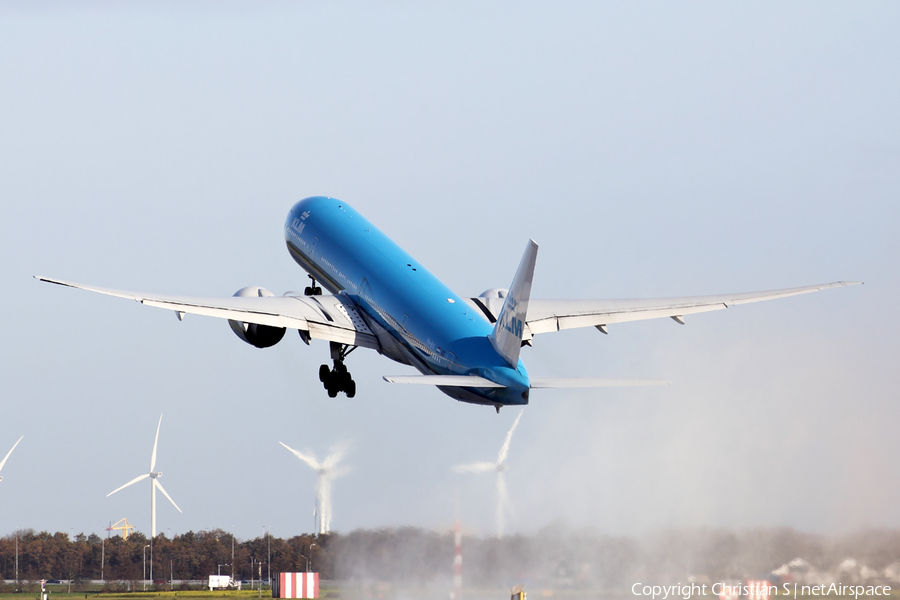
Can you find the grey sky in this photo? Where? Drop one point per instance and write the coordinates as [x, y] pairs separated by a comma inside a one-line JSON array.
[[651, 149]]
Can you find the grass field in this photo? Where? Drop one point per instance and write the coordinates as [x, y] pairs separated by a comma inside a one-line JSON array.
[[337, 591], [374, 592]]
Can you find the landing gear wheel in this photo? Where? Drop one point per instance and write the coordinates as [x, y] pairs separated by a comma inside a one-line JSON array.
[[338, 379], [312, 290]]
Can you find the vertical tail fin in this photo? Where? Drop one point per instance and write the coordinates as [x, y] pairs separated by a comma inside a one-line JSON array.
[[507, 335]]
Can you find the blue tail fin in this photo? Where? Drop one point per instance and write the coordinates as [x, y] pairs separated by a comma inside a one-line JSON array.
[[507, 335]]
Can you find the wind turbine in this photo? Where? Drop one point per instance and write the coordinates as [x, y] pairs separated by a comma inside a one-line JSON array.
[[498, 467], [154, 485], [327, 472], [3, 462]]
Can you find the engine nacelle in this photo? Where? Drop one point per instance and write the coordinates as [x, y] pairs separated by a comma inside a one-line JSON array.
[[261, 336]]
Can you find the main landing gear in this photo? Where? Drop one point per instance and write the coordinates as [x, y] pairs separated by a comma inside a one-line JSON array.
[[337, 379], [312, 290]]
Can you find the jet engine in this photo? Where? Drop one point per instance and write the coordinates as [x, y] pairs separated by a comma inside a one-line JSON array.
[[261, 336]]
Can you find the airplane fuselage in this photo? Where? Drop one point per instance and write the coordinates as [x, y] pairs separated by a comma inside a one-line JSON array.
[[430, 327]]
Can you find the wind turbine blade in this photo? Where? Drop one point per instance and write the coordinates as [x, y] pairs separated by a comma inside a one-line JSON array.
[[155, 442], [162, 489], [309, 460], [502, 502], [504, 450], [3, 462], [337, 453], [135, 480], [478, 467]]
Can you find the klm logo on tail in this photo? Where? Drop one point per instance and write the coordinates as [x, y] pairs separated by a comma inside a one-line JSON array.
[[515, 327], [510, 319]]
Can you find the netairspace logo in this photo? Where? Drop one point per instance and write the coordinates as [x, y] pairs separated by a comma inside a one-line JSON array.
[[757, 591]]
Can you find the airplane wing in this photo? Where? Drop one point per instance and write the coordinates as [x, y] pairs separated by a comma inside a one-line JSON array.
[[330, 318], [545, 316]]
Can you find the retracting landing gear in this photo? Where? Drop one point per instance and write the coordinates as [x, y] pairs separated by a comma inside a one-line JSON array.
[[312, 290], [337, 379]]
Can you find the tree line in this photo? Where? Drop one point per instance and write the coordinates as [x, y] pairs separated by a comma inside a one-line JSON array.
[[193, 555], [554, 556]]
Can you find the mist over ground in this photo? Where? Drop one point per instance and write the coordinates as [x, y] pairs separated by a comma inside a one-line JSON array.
[[568, 559]]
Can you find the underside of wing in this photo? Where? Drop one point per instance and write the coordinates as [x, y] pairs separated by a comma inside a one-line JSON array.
[[330, 318], [545, 316]]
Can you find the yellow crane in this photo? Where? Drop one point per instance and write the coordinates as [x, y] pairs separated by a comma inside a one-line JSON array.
[[124, 526]]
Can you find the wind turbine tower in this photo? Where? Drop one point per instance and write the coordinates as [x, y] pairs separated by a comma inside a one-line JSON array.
[[154, 484], [499, 467], [328, 471]]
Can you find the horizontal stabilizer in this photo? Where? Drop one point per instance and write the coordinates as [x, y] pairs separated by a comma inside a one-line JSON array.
[[447, 380], [591, 382]]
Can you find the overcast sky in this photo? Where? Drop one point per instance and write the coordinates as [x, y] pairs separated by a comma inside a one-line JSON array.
[[651, 149]]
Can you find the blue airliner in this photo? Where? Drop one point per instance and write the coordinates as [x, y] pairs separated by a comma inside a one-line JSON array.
[[382, 298]]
